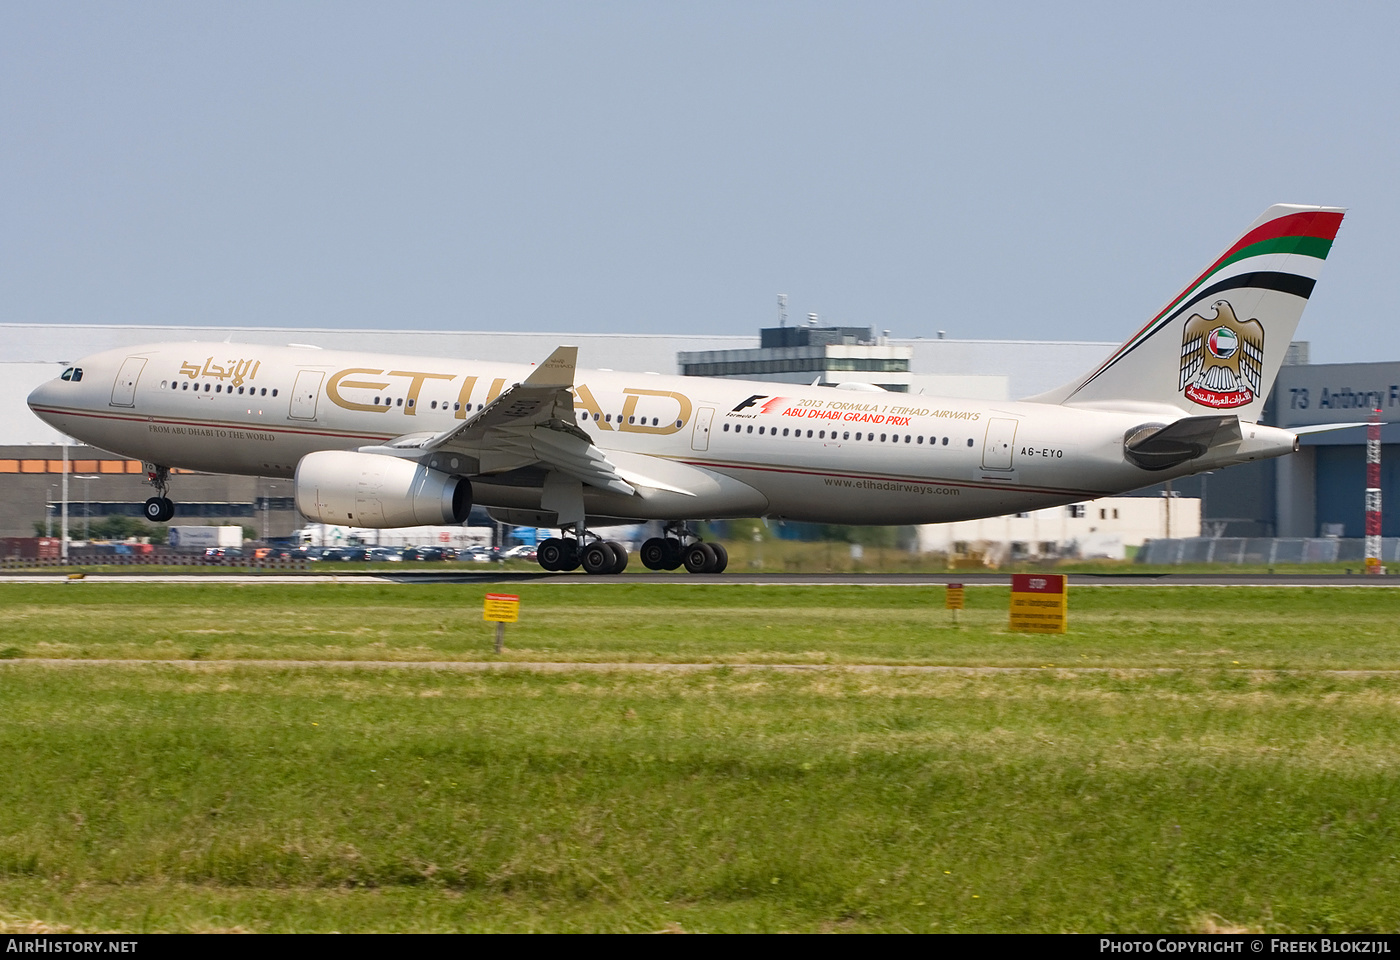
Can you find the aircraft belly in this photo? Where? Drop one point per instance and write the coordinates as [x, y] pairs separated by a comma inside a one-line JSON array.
[[721, 498]]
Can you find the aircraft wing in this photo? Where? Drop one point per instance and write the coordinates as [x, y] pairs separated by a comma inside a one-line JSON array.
[[530, 424]]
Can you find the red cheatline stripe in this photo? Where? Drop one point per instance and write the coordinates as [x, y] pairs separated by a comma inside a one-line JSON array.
[[926, 481], [229, 424]]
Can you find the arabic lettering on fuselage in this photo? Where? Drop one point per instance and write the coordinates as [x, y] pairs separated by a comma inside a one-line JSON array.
[[235, 371]]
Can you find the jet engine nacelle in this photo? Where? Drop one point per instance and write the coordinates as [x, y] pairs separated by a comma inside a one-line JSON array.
[[372, 490]]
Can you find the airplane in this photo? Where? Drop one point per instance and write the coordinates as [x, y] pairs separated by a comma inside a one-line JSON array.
[[375, 440]]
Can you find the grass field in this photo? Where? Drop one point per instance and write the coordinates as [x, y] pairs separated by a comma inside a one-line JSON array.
[[1254, 787]]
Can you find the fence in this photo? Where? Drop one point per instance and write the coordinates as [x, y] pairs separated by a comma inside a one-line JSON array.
[[148, 560], [1263, 550]]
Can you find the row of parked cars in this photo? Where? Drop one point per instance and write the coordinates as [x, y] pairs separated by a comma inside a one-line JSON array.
[[360, 554]]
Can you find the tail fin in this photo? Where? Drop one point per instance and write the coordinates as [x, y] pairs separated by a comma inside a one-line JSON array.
[[1218, 344]]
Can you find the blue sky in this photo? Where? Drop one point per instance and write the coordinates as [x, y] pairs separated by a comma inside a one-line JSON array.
[[1000, 170]]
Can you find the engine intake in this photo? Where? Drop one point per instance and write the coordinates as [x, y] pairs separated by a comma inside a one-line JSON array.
[[372, 490]]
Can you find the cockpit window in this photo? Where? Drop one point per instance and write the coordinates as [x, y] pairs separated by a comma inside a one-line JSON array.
[[67, 374], [77, 374]]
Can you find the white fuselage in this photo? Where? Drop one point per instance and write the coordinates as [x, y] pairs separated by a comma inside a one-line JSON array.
[[726, 448]]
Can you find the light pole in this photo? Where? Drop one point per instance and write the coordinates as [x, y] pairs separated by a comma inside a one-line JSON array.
[[87, 502], [267, 509], [65, 500]]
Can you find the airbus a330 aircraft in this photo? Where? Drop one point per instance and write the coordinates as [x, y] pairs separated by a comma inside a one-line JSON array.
[[388, 441]]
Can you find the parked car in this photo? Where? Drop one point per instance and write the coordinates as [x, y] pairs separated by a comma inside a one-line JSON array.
[[386, 554], [222, 554], [346, 554], [526, 551], [430, 553]]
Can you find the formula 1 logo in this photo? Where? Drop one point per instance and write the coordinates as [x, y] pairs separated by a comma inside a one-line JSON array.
[[1222, 359], [753, 400]]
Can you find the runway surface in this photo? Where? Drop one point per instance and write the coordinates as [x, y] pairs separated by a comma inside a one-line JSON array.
[[1281, 579]]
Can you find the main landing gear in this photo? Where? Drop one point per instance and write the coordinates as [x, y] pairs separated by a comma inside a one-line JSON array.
[[673, 551], [159, 508], [679, 548], [599, 557]]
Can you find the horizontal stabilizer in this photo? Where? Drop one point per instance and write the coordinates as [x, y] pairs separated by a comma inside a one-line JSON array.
[[1156, 447], [1325, 427]]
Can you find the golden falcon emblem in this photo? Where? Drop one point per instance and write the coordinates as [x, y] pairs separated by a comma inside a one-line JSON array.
[[1222, 358]]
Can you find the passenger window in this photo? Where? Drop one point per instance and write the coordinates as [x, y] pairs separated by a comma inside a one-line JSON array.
[[274, 391], [398, 402], [945, 441], [785, 431], [857, 434], [969, 441], [750, 430], [760, 431]]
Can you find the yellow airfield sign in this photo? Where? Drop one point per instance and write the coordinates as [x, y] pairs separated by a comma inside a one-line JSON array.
[[501, 608], [1039, 602], [953, 600]]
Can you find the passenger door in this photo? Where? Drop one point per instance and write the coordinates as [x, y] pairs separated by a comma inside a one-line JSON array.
[[124, 390], [1000, 444], [305, 393], [700, 439]]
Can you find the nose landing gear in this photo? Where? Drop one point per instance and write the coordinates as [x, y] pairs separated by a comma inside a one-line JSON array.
[[159, 508]]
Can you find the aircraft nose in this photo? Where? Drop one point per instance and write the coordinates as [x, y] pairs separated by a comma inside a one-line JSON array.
[[41, 395]]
